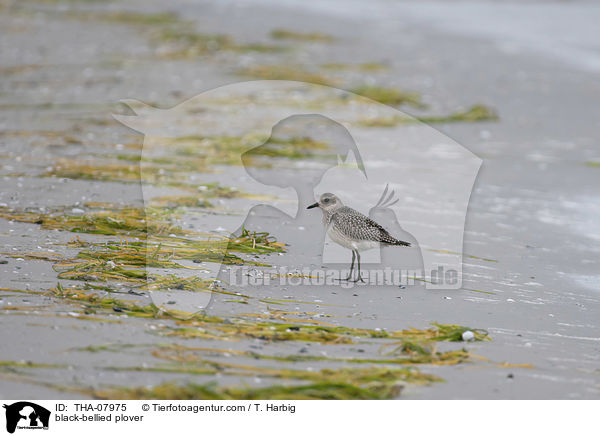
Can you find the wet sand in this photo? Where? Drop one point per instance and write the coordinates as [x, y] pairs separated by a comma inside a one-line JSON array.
[[533, 211]]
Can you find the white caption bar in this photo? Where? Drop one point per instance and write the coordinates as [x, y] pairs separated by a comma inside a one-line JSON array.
[[23, 417]]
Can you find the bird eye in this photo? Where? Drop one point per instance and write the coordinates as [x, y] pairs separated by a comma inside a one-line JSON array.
[[326, 200]]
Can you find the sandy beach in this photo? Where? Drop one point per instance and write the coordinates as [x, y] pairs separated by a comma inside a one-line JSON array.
[[111, 238]]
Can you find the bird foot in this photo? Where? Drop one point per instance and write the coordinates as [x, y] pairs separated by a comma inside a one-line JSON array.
[[358, 279]]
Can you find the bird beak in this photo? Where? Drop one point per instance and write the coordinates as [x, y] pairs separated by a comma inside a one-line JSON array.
[[313, 205]]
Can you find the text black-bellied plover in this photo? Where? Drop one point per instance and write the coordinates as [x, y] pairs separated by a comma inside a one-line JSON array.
[[353, 230]]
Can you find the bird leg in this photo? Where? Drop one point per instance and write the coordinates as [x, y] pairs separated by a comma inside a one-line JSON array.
[[351, 267], [359, 277]]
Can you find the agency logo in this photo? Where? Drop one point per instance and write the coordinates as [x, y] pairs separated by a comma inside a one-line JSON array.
[[284, 145], [26, 415]]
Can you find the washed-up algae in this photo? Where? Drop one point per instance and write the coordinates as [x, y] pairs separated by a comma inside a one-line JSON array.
[[475, 113], [390, 96], [409, 354], [384, 380], [411, 341], [157, 243], [342, 383], [126, 221], [158, 174], [187, 157], [313, 391], [286, 72], [13, 366], [301, 36], [124, 262], [365, 66], [172, 36]]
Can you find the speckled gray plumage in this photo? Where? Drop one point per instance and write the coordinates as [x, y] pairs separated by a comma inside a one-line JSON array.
[[353, 230], [353, 225]]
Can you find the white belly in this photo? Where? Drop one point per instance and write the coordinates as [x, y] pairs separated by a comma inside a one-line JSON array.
[[338, 238]]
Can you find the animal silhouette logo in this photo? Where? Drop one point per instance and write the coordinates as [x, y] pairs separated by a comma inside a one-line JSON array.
[[431, 174], [26, 415]]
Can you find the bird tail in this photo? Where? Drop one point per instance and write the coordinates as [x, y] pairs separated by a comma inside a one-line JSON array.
[[399, 242], [388, 239]]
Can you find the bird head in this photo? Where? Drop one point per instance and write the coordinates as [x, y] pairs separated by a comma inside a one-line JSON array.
[[327, 202]]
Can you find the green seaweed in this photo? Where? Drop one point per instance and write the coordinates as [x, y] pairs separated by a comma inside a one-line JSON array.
[[391, 121], [409, 353], [191, 43], [70, 1], [365, 66], [11, 365], [340, 383], [92, 303], [285, 72], [270, 330], [390, 96], [171, 35], [384, 380], [321, 391], [177, 201], [189, 155], [473, 114], [229, 149], [286, 331], [125, 261], [260, 48], [144, 19], [159, 244], [301, 36], [126, 221]]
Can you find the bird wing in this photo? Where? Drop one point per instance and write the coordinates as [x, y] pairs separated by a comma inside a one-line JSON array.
[[358, 226]]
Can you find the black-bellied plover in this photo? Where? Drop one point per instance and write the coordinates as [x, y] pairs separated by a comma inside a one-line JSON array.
[[353, 230]]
